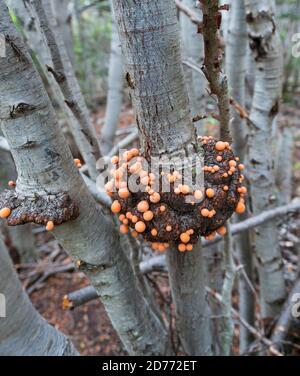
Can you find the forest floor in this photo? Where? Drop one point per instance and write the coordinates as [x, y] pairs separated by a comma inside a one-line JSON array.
[[88, 325]]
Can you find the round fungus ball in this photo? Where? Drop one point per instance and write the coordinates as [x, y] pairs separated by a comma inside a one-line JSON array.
[[148, 215], [140, 226], [49, 226], [143, 206], [5, 212], [116, 207]]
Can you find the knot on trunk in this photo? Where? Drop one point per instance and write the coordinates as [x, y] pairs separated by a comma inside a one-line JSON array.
[[183, 212], [52, 209]]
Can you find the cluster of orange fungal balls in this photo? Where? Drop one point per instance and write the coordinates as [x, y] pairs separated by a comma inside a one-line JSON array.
[[182, 214]]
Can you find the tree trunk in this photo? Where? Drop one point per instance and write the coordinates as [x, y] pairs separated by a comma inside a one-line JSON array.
[[284, 164], [188, 281], [193, 49], [213, 263], [63, 18], [225, 18], [150, 43], [236, 54], [23, 239], [46, 168], [266, 49], [114, 93], [24, 332]]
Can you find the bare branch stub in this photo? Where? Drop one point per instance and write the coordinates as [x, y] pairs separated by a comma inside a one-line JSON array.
[[57, 208]]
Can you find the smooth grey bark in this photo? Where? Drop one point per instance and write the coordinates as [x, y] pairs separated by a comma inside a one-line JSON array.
[[266, 49], [250, 78], [149, 37], [227, 288], [192, 46], [236, 55], [47, 168], [244, 247], [64, 75], [24, 332], [80, 297], [187, 280], [63, 18], [213, 256], [226, 18], [23, 239], [114, 93], [284, 164]]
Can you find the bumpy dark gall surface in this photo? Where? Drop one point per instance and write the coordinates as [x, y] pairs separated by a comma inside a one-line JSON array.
[[39, 209]]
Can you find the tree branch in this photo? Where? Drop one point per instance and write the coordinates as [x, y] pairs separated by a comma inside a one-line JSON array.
[[189, 13], [124, 143], [213, 60]]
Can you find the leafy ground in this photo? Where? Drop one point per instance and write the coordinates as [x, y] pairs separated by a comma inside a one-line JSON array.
[[88, 326]]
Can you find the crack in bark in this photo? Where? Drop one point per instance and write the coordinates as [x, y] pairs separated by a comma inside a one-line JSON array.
[[22, 57], [21, 109], [59, 76]]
